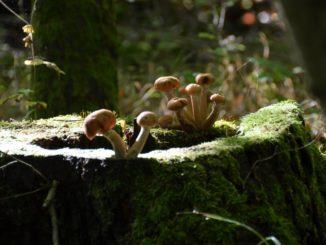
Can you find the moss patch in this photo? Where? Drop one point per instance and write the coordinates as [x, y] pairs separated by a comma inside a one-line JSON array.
[[66, 131], [266, 177]]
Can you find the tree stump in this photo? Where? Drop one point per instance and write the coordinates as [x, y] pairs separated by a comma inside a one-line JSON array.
[[266, 172]]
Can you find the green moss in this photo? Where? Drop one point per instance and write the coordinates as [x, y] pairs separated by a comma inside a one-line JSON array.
[[166, 138], [271, 120], [263, 177]]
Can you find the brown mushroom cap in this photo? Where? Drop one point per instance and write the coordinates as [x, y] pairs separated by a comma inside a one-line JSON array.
[[176, 104], [192, 88], [99, 121], [204, 79], [147, 119], [165, 121], [166, 84], [182, 90], [217, 98]]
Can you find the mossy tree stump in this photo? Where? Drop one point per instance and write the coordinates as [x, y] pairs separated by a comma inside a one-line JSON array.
[[268, 176]]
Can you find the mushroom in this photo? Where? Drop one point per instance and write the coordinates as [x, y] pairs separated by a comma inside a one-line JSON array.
[[145, 120], [166, 85], [165, 121], [178, 106], [193, 90], [102, 121], [204, 80], [211, 118]]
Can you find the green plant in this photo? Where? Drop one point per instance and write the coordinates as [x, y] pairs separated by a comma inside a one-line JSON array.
[[262, 239], [19, 75]]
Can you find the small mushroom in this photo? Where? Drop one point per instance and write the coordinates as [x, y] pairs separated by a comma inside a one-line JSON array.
[[102, 122], [176, 103], [166, 84], [183, 93], [193, 90], [167, 121], [204, 80], [146, 120], [212, 117], [178, 106]]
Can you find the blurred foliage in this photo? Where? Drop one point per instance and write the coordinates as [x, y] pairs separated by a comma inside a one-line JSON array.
[[13, 83], [243, 43], [249, 60]]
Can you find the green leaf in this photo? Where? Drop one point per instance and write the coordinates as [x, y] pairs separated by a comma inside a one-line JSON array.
[[206, 35], [25, 91], [38, 61], [11, 97]]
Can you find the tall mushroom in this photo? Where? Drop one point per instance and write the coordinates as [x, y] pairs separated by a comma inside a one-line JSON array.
[[212, 117], [193, 90], [145, 120], [204, 80], [102, 121], [166, 84]]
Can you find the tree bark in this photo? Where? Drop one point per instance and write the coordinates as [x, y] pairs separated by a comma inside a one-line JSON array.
[[307, 20], [80, 37]]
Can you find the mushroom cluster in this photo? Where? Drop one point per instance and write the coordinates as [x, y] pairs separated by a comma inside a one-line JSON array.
[[199, 108], [102, 122]]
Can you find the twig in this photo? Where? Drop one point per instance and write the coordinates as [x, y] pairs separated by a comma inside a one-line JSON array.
[[54, 222], [278, 153], [51, 194], [14, 13], [255, 164], [24, 194], [221, 19], [49, 203], [24, 163], [263, 39]]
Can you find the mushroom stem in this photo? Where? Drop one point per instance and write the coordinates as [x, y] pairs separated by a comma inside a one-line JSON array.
[[145, 120], [117, 143], [185, 121], [203, 103], [211, 118], [216, 99], [195, 105], [194, 91], [203, 79], [178, 105], [169, 95], [139, 144], [187, 114]]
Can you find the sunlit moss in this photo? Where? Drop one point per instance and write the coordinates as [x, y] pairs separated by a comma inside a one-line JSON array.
[[279, 196]]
